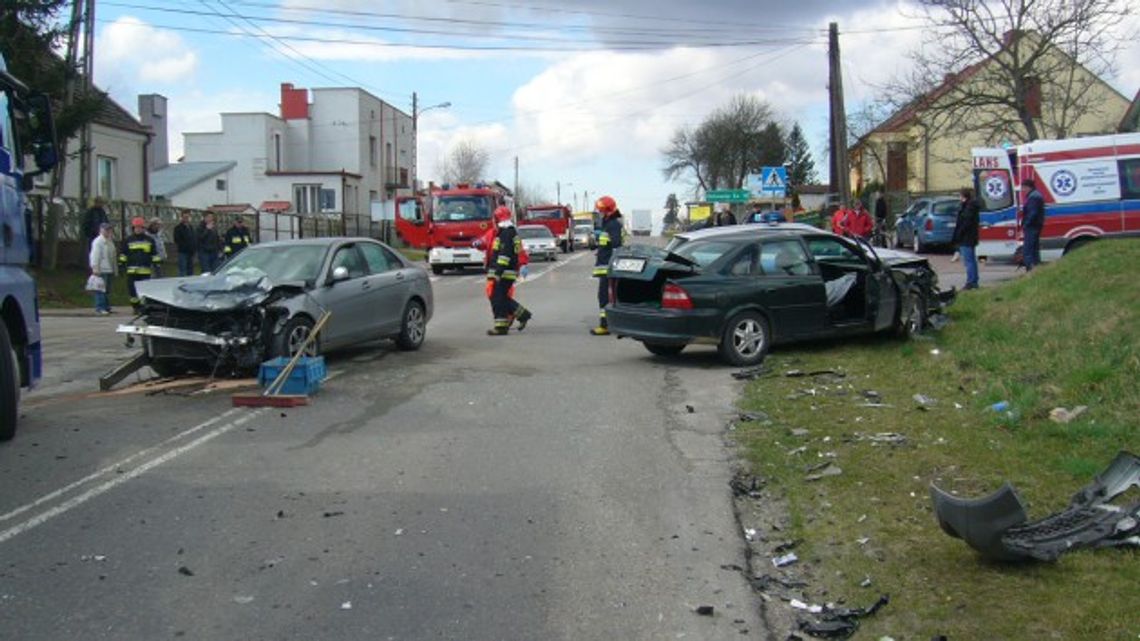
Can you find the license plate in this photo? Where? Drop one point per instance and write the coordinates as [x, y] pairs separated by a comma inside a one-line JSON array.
[[462, 256], [629, 265]]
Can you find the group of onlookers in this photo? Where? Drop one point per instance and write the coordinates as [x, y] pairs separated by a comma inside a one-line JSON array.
[[142, 254]]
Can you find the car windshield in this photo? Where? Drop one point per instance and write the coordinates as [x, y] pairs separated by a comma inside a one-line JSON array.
[[534, 232], [454, 209], [281, 264], [705, 253], [945, 208], [543, 214], [914, 208], [583, 229]]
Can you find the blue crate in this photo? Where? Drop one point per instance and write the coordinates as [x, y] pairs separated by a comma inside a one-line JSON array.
[[305, 378]]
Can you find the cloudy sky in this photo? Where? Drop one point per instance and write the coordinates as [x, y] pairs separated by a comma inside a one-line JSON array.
[[585, 93]]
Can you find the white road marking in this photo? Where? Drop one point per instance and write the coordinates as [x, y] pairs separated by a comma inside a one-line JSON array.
[[119, 479]]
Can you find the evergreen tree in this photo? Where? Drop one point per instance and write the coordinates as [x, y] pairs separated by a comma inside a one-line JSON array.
[[801, 167]]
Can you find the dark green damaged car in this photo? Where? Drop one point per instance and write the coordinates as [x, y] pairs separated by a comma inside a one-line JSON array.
[[745, 291]]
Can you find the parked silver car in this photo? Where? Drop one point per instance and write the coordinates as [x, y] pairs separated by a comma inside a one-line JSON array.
[[265, 301], [584, 236], [539, 242]]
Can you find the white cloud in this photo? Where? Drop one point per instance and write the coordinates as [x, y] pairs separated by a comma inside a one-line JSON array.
[[131, 52]]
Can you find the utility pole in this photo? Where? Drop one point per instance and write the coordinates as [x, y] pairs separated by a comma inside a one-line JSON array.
[[415, 141], [558, 190], [516, 185], [88, 83], [840, 171]]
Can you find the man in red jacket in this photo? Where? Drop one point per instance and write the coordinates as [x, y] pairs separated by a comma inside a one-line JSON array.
[[859, 222]]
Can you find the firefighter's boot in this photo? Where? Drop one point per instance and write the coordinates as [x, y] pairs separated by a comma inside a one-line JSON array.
[[603, 328], [524, 318], [502, 326]]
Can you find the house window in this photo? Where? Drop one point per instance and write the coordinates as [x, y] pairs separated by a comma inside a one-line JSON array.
[[105, 177], [220, 184], [372, 150], [328, 200], [388, 154], [276, 152], [306, 198]]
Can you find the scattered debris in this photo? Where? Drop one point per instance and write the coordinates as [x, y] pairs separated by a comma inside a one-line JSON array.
[[242, 599], [399, 531], [935, 352], [749, 417], [690, 409], [800, 605], [347, 605], [1000, 406], [866, 582], [863, 540], [785, 560], [1062, 415], [746, 485], [749, 534], [799, 450], [800, 432], [785, 546], [185, 571], [924, 401], [705, 610], [824, 470], [840, 623], [795, 373], [329, 515], [751, 373], [270, 563], [732, 566], [764, 582], [997, 525], [872, 395], [888, 438]]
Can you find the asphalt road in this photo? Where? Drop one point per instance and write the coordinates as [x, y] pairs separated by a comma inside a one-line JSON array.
[[546, 485]]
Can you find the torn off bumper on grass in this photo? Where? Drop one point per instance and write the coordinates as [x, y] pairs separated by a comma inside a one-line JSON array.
[[998, 527]]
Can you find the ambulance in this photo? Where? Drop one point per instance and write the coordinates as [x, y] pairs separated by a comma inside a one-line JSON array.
[[1091, 188]]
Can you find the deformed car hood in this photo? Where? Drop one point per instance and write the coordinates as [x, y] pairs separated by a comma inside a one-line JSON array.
[[213, 292]]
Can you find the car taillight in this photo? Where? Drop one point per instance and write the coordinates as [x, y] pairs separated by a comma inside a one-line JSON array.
[[929, 224], [675, 298]]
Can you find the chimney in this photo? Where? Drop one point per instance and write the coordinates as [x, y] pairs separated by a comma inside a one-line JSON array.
[[294, 102], [152, 114], [1008, 37]]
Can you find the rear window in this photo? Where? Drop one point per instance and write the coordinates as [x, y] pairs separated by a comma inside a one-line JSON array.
[[705, 253], [534, 232], [945, 208]]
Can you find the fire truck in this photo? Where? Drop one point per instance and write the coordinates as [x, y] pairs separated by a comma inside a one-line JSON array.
[[447, 219], [1091, 188], [556, 218], [21, 364]]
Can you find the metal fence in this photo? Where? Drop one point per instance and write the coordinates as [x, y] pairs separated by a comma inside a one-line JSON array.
[[265, 226]]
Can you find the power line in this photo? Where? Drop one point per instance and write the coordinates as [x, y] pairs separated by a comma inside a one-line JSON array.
[[486, 48]]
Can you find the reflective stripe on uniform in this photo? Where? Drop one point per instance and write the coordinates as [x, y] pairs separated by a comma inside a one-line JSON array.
[[503, 260], [601, 271], [142, 245], [139, 271], [496, 245], [604, 239], [602, 313]]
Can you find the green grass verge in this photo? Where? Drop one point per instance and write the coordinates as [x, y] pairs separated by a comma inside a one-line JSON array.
[[63, 288], [1066, 335]]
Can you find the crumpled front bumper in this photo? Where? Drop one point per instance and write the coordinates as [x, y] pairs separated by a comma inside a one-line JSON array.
[[190, 336]]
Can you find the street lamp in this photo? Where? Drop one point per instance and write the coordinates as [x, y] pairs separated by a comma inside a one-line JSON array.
[[558, 188], [416, 111]]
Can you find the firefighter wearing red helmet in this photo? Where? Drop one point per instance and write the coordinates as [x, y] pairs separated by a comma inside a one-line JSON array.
[[505, 260], [138, 257], [608, 240]]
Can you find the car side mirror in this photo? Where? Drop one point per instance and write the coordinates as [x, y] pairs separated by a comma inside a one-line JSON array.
[[339, 274]]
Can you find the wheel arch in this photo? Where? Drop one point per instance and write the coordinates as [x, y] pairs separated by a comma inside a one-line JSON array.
[[751, 307]]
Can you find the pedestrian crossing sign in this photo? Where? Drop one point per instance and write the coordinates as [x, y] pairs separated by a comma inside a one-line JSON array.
[[771, 182]]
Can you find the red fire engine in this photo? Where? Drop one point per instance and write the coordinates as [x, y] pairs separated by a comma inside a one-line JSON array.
[[449, 221], [556, 218]]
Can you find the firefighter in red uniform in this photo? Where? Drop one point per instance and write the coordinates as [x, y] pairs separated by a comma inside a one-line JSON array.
[[505, 261], [608, 240]]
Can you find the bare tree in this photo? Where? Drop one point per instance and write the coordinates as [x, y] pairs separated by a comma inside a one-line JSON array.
[[729, 144], [531, 194], [1019, 69], [466, 162]]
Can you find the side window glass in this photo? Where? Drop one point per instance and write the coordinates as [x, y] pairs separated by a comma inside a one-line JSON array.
[[349, 258], [744, 264], [374, 254], [1130, 178], [784, 258], [830, 248]]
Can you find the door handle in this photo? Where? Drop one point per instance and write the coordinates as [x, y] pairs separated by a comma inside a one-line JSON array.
[[399, 275]]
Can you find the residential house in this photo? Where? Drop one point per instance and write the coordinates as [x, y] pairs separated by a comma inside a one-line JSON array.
[[910, 152], [116, 164], [345, 151], [1130, 123]]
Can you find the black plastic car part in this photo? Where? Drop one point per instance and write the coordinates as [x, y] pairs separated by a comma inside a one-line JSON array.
[[997, 527]]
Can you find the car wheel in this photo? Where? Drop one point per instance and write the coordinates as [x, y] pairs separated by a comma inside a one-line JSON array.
[[912, 316], [659, 349], [293, 335], [9, 386], [918, 246], [745, 339], [413, 328]]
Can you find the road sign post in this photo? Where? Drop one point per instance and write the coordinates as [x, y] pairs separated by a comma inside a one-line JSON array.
[[727, 195]]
